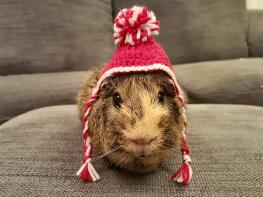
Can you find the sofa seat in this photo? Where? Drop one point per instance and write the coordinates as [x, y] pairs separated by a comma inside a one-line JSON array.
[[40, 152]]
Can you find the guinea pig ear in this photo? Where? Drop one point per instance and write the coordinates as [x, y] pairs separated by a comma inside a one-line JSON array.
[[106, 86], [169, 87]]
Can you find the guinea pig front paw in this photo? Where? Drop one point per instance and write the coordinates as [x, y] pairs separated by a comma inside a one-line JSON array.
[[112, 166]]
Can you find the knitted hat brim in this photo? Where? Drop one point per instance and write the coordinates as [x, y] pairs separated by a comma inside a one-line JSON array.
[[133, 69]]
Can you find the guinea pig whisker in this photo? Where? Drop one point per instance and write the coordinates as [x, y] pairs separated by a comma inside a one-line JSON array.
[[105, 154], [111, 151], [167, 147]]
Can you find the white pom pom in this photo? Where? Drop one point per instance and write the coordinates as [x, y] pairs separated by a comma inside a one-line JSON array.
[[135, 25]]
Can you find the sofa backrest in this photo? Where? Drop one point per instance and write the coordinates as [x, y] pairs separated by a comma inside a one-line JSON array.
[[197, 30], [255, 33], [61, 35], [54, 35]]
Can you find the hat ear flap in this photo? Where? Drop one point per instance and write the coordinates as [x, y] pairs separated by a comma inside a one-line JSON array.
[[184, 173]]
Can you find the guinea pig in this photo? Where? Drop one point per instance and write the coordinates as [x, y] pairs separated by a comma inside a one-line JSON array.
[[137, 120]]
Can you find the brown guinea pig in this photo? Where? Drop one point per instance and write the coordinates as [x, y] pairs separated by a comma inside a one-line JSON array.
[[137, 120]]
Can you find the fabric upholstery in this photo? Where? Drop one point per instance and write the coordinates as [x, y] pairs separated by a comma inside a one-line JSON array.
[[21, 93], [46, 36], [255, 34], [231, 81], [40, 152], [198, 30]]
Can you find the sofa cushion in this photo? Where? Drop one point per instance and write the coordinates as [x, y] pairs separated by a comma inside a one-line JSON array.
[[255, 35], [40, 152], [21, 93], [237, 81], [198, 30], [45, 36]]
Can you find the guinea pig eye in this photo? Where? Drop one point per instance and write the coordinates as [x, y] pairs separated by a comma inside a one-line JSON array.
[[161, 96], [117, 100]]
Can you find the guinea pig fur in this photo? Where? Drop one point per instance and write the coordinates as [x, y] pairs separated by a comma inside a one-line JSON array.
[[136, 121]]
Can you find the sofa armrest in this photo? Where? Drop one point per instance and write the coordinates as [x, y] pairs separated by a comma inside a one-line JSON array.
[[21, 93]]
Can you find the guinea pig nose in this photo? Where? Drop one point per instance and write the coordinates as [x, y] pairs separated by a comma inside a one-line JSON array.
[[143, 141]]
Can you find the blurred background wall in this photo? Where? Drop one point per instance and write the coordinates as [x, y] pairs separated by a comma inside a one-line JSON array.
[[255, 4]]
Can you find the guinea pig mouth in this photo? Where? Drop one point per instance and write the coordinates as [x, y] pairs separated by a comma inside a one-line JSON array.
[[140, 150], [141, 153]]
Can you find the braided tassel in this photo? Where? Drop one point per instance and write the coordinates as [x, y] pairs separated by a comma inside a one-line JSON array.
[[184, 173], [87, 171]]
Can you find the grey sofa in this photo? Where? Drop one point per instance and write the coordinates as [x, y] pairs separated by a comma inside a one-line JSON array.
[[48, 47]]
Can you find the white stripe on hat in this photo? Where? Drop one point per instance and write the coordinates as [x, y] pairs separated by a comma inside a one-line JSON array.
[[128, 69]]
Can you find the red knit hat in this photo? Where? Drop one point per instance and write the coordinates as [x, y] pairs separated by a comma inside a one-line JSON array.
[[137, 52]]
